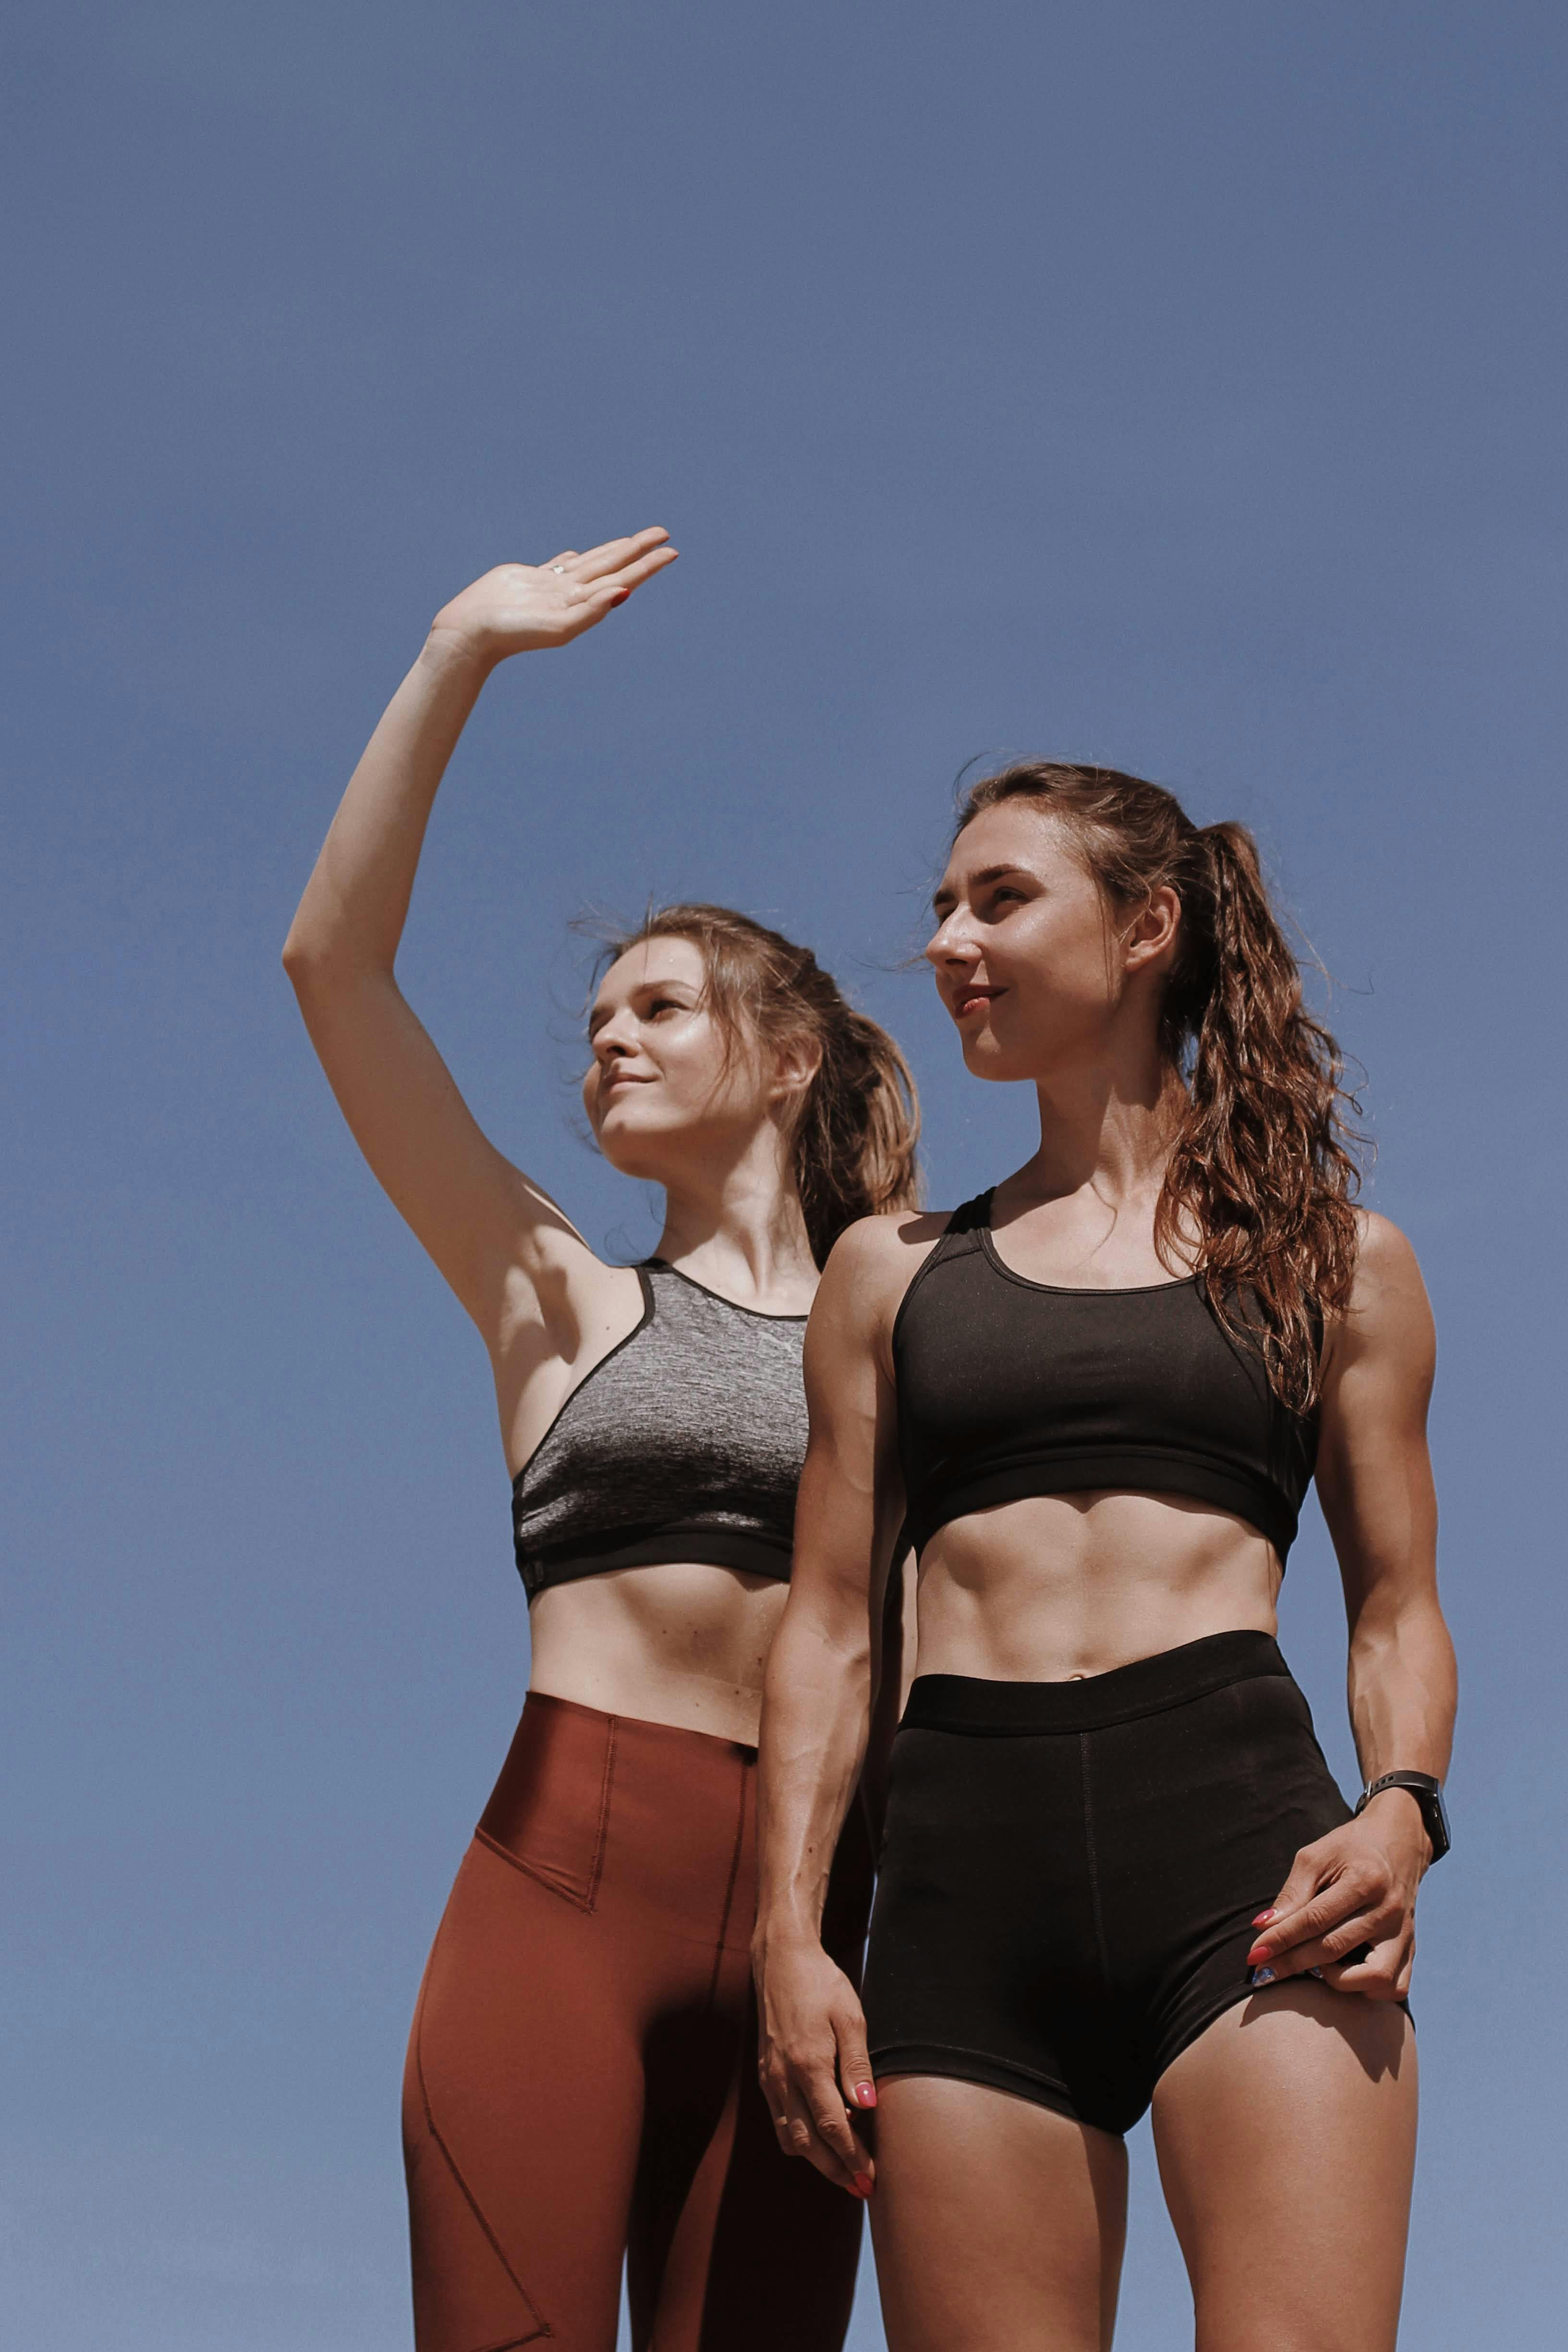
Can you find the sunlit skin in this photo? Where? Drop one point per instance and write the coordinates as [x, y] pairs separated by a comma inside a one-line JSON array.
[[682, 1643], [1285, 2132]]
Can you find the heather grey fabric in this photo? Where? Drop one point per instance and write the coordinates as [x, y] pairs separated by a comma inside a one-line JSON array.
[[684, 1442]]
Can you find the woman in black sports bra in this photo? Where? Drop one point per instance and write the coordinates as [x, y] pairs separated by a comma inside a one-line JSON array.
[[1117, 1872], [581, 2083]]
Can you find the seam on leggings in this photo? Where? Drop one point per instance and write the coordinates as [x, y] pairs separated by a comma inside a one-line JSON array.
[[597, 1868], [1083, 1740], [553, 1882], [541, 1878], [730, 1889], [541, 2326]]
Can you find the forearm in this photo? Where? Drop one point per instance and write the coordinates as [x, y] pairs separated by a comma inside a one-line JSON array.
[[1403, 1689], [816, 1713], [357, 901]]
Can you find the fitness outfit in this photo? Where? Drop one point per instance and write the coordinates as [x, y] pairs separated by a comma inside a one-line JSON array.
[[582, 2078], [1071, 1870]]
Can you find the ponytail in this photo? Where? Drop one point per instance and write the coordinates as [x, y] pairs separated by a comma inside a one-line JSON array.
[[1261, 1173], [856, 1125]]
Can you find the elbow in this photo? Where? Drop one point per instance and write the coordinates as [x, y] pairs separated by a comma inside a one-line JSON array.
[[317, 966], [303, 960]]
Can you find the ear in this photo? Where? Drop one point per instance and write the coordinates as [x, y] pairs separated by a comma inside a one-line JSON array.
[[796, 1065], [1150, 940]]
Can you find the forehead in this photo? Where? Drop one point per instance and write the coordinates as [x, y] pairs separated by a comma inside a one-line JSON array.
[[652, 963], [1019, 834]]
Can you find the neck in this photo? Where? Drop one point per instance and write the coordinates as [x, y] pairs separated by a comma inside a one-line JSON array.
[[738, 1228], [1106, 1126]]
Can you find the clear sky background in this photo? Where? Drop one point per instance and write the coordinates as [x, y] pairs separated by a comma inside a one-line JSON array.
[[1180, 387]]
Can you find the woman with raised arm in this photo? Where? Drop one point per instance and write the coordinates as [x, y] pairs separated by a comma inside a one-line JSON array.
[[581, 2083], [1116, 1869]]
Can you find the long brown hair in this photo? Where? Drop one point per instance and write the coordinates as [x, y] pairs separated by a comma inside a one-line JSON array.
[[856, 1125], [1262, 1167]]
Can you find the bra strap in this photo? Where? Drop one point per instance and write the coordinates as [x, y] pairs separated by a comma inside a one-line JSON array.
[[964, 1227]]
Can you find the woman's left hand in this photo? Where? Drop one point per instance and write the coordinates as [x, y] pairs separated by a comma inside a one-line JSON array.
[[1350, 1893]]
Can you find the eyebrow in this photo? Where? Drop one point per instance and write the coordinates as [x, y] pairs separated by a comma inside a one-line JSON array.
[[984, 874]]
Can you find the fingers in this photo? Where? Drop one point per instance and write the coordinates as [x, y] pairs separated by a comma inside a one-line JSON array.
[[1312, 1921], [1299, 1888], [1378, 1972], [855, 2077], [615, 587], [809, 2118], [615, 554]]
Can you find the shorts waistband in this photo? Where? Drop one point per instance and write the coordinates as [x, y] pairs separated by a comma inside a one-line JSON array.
[[985, 1709]]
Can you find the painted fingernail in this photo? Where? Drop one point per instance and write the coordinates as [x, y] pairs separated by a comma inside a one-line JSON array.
[[1264, 1917], [1259, 1955], [622, 597], [1315, 1972], [863, 2184], [865, 2094], [1263, 1976]]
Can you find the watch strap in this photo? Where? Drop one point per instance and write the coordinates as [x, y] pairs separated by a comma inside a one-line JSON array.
[[1427, 1792]]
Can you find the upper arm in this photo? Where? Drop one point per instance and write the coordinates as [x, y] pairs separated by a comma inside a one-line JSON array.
[[483, 1221], [850, 1500], [1375, 1473]]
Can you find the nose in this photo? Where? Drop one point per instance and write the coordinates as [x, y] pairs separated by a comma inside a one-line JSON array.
[[949, 943], [616, 1036]]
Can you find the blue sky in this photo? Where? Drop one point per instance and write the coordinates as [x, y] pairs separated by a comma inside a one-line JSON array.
[[1175, 387]]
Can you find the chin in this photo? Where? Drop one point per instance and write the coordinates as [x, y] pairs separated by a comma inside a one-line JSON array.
[[636, 1148]]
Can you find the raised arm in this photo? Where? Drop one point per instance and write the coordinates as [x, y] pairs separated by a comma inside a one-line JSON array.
[[1357, 1887], [817, 1707], [477, 1216]]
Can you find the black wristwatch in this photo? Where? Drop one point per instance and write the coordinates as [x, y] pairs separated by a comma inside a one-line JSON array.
[[1428, 1795]]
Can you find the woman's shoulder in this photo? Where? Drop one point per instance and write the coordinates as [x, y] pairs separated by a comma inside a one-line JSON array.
[[1386, 1259], [874, 1261]]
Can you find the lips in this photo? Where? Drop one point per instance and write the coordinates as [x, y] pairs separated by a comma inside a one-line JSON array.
[[974, 999]]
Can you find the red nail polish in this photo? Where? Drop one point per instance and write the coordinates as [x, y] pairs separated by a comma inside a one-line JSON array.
[[862, 2184], [1259, 1955], [865, 2095], [1263, 1919]]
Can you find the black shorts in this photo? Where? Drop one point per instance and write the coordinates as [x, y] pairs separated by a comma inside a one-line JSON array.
[[1071, 1870]]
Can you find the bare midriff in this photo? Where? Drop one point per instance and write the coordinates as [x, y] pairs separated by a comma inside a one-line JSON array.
[[1060, 1587], [683, 1643]]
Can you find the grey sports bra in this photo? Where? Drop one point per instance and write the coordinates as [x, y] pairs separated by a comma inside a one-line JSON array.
[[684, 1442]]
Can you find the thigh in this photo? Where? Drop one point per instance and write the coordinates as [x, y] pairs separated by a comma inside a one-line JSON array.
[[522, 2109], [998, 2224], [1285, 2136]]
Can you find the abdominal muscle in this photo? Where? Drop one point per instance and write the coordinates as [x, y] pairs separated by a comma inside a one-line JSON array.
[[682, 1643], [1060, 1587]]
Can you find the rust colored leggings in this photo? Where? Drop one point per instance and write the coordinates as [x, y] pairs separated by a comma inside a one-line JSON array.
[[582, 2078]]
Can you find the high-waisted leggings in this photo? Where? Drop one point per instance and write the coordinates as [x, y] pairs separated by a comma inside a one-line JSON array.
[[582, 2080]]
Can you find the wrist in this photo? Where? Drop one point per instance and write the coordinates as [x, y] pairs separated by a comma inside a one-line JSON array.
[[451, 645], [784, 1927], [1422, 1794], [1397, 1811]]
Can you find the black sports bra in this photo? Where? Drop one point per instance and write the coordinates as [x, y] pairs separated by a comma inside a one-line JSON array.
[[684, 1442], [1008, 1388]]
